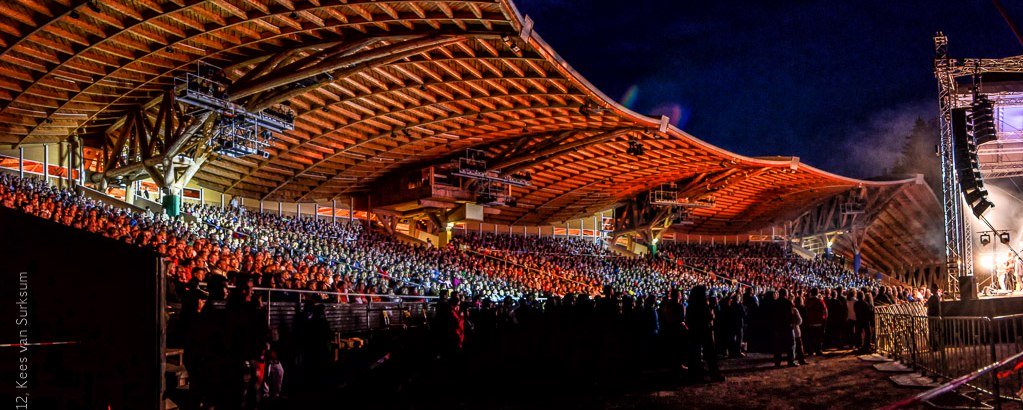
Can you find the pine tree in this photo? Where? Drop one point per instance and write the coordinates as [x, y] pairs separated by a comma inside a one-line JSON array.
[[918, 154]]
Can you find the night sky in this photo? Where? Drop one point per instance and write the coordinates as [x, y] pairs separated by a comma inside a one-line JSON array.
[[835, 83]]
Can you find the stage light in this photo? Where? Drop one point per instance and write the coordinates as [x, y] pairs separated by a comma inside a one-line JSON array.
[[989, 261], [1003, 238], [635, 148], [985, 239]]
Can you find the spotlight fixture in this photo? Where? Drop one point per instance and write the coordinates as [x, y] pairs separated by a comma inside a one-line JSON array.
[[635, 148], [985, 239], [74, 14], [325, 109], [1003, 238], [93, 5], [511, 44]]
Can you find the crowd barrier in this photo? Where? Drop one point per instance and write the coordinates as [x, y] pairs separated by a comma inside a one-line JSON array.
[[348, 314], [949, 347]]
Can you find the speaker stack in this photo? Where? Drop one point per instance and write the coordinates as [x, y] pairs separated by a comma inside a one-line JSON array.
[[981, 121]]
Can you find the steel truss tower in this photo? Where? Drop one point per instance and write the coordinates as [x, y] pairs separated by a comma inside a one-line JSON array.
[[958, 229]]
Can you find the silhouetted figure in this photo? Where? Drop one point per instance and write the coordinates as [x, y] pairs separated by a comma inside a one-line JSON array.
[[236, 337], [700, 320], [782, 321], [672, 329]]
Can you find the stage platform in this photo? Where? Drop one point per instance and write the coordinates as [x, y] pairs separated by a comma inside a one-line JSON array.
[[988, 306]]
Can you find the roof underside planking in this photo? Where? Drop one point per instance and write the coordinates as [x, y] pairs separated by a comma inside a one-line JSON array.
[[381, 86]]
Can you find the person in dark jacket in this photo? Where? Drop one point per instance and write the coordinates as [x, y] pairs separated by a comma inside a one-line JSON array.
[[700, 320], [735, 313], [782, 322], [673, 329], [751, 306], [837, 314], [865, 320], [814, 321], [934, 311]]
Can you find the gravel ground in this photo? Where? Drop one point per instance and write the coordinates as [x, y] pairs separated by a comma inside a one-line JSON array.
[[837, 382]]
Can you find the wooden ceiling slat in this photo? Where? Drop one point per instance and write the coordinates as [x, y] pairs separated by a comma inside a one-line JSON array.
[[474, 92]]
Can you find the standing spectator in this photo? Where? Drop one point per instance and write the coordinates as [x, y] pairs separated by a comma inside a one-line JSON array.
[[751, 305], [865, 320], [735, 312], [700, 320], [798, 311], [782, 325], [838, 311], [672, 329], [851, 328], [815, 319]]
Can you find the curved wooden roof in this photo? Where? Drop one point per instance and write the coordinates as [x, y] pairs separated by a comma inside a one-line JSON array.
[[379, 86]]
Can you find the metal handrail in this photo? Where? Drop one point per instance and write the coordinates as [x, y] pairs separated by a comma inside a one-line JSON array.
[[952, 384], [322, 292], [951, 347]]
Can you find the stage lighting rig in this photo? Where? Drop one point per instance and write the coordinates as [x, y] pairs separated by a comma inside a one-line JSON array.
[[668, 196], [591, 109], [233, 138], [1004, 238], [473, 165], [635, 148], [238, 132], [486, 198], [985, 239]]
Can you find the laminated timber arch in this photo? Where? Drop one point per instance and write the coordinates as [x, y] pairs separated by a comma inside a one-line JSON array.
[[382, 86]]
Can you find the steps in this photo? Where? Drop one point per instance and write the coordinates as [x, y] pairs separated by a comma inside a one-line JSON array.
[[910, 379], [176, 378]]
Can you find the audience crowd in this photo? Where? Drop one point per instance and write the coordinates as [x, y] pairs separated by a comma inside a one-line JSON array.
[[571, 298]]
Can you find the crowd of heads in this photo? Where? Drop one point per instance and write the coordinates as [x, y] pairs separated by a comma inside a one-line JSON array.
[[344, 256]]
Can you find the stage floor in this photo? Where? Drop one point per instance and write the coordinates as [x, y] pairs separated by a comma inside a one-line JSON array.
[[992, 305]]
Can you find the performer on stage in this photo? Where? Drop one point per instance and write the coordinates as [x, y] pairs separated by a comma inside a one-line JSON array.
[[1000, 274], [1014, 270], [1007, 270]]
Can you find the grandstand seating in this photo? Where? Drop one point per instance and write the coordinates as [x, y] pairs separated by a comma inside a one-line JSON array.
[[320, 255]]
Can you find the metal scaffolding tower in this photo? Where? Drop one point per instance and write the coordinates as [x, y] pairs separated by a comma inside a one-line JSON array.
[[958, 229]]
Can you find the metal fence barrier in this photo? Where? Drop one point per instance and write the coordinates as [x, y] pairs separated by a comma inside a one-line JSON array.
[[948, 347], [349, 314]]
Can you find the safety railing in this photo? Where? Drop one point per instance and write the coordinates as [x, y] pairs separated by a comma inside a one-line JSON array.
[[1007, 372], [347, 313], [948, 347]]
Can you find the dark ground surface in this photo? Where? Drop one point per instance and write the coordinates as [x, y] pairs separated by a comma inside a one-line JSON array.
[[837, 381]]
